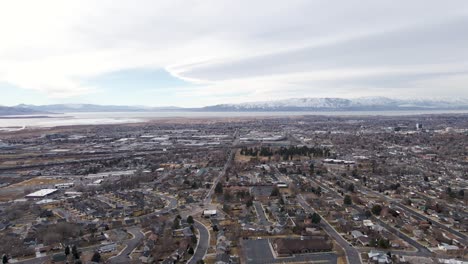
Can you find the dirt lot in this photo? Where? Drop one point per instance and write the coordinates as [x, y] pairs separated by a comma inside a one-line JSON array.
[[36, 181]]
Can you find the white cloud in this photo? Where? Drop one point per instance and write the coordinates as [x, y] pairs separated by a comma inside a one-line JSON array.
[[238, 50]]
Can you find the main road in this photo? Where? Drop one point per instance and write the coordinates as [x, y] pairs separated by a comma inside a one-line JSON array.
[[422, 250], [232, 153], [352, 254], [417, 215]]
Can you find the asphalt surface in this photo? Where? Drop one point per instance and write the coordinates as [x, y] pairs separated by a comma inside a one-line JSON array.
[[232, 153], [260, 252], [422, 251], [131, 244], [35, 260], [203, 243], [437, 224], [351, 253], [262, 219], [417, 215]]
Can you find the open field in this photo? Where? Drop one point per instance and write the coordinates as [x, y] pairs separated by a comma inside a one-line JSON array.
[[36, 181]]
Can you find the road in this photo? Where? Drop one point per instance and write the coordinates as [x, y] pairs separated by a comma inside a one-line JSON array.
[[46, 259], [203, 243], [352, 254], [435, 223], [414, 213], [422, 250], [232, 153], [130, 245], [262, 219]]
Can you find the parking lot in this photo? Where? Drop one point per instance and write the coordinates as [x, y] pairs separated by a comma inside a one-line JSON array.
[[259, 252]]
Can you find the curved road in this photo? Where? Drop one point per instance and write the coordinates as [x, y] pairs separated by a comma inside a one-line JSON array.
[[203, 243], [130, 245]]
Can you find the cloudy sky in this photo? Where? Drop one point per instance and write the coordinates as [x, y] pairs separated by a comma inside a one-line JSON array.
[[202, 52]]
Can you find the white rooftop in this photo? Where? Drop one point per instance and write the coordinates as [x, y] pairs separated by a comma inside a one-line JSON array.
[[209, 212], [41, 193]]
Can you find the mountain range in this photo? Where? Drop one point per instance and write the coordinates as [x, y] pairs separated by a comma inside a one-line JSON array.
[[340, 104], [293, 104]]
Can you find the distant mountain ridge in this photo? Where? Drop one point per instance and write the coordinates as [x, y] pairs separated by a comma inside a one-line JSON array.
[[340, 104], [8, 111], [293, 104]]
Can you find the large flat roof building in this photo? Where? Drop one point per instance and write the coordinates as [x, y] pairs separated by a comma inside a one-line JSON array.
[[41, 193]]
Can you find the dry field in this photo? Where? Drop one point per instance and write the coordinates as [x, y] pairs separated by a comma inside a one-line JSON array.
[[36, 181]]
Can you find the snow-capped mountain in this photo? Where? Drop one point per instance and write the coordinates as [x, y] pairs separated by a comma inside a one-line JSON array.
[[363, 103], [293, 104]]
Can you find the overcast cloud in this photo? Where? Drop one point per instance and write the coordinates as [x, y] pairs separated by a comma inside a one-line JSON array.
[[234, 51]]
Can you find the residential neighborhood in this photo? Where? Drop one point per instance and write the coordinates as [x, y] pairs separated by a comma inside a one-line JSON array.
[[308, 189]]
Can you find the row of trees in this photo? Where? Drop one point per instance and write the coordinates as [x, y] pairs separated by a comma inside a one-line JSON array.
[[286, 153]]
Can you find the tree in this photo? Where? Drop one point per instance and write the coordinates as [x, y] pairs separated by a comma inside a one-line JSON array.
[[67, 250], [201, 261], [75, 252], [74, 249], [219, 188], [367, 213], [176, 224], [376, 209], [315, 218], [190, 220], [5, 259], [190, 251], [275, 192], [383, 243], [347, 200], [318, 191], [96, 257], [227, 196], [249, 203]]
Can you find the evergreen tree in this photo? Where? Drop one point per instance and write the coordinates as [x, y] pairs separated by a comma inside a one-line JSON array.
[[190, 220], [219, 188], [376, 209], [191, 251], [347, 200], [96, 257], [275, 192], [315, 218], [75, 252]]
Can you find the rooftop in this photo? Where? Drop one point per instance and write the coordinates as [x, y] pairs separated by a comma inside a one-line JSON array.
[[41, 193]]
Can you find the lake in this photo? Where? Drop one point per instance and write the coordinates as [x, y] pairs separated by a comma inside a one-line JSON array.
[[69, 119]]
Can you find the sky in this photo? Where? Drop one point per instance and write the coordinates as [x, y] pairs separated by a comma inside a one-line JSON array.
[[204, 52]]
